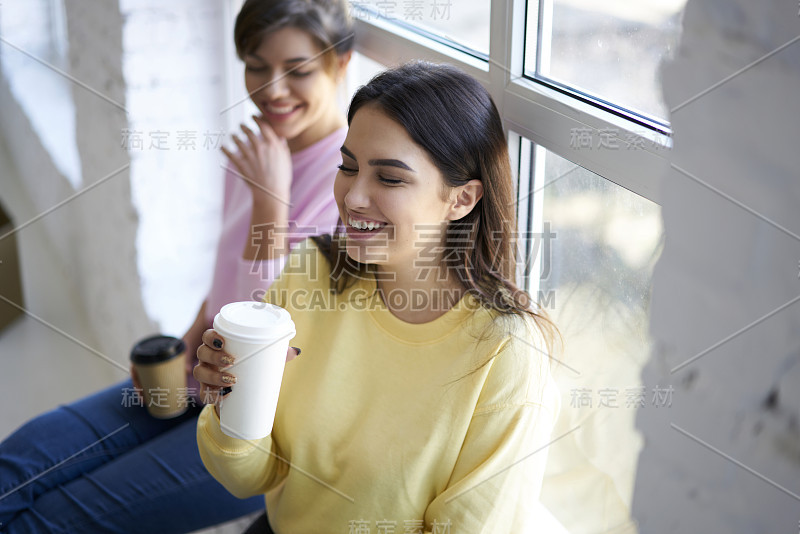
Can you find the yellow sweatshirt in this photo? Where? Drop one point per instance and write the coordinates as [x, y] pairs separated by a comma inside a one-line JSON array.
[[389, 427]]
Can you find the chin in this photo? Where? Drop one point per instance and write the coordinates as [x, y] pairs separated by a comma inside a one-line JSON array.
[[358, 254], [284, 130], [355, 253]]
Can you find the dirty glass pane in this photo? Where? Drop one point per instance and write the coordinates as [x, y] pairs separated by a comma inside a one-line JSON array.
[[595, 282]]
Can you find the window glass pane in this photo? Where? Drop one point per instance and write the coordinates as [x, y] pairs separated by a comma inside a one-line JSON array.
[[360, 70], [595, 282], [37, 29], [611, 50], [466, 23]]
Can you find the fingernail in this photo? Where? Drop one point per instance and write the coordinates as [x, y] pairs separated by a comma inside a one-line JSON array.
[[228, 379], [218, 343], [296, 350], [227, 360]]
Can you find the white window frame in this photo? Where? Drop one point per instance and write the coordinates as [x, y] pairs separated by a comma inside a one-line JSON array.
[[541, 114]]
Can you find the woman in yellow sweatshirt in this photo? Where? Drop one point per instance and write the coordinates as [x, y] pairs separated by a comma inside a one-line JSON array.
[[423, 401]]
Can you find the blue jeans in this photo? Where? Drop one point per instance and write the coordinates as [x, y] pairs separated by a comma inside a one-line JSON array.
[[99, 466]]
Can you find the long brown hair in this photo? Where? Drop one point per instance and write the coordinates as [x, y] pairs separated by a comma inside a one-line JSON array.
[[450, 115]]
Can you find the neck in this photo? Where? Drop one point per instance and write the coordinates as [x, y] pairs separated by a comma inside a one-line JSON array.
[[331, 122], [418, 297]]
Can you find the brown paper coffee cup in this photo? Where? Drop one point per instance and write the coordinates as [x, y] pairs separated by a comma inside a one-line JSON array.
[[159, 362]]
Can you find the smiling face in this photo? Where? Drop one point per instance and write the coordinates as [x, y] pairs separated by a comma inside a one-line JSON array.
[[391, 195], [288, 82]]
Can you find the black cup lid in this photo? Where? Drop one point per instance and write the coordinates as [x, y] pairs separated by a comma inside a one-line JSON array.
[[156, 349]]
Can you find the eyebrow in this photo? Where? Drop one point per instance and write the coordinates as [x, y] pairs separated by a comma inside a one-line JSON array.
[[290, 60], [379, 162]]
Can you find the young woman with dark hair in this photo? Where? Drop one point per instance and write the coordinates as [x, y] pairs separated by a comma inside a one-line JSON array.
[[423, 396], [99, 465]]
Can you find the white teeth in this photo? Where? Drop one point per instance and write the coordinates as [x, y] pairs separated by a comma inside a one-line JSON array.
[[280, 110], [364, 225]]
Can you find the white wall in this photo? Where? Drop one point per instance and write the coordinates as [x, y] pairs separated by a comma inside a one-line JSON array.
[[106, 222], [173, 61], [724, 268], [123, 256], [84, 243], [137, 248]]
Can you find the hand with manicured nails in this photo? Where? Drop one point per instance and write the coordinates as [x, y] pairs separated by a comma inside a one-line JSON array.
[[211, 372]]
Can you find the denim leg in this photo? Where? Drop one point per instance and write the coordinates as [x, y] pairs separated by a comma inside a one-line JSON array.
[[60, 445], [161, 486], [63, 451]]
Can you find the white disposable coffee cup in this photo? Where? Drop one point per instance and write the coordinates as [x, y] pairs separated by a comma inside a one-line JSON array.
[[257, 335]]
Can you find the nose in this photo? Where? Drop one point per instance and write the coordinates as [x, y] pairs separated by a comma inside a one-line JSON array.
[[277, 87], [357, 197]]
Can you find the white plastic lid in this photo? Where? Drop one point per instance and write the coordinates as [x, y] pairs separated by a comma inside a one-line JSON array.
[[252, 321]]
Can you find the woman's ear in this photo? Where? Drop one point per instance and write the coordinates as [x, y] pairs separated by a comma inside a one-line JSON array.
[[342, 60], [464, 198]]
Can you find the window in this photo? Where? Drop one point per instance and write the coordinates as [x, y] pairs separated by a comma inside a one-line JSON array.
[[33, 55], [596, 245], [577, 85], [463, 25], [609, 52]]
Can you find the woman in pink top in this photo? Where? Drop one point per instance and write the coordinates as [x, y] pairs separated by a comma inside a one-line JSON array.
[[102, 465]]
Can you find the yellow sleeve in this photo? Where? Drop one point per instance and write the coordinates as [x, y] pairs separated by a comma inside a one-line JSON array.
[[497, 478], [496, 481], [244, 467], [252, 467]]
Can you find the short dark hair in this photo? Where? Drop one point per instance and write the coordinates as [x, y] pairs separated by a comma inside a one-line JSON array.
[[327, 21]]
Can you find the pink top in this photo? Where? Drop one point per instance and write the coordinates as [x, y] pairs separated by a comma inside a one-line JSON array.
[[312, 211]]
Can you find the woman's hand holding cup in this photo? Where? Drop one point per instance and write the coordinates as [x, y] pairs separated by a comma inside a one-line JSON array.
[[211, 372]]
